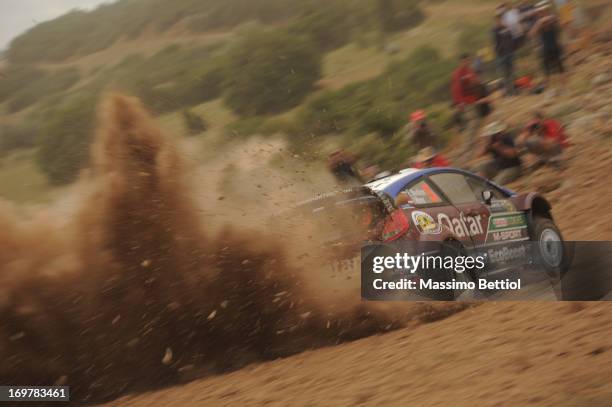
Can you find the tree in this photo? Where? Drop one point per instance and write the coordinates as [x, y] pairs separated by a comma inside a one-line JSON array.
[[270, 71]]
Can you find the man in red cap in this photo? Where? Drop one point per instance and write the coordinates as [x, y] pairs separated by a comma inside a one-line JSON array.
[[422, 136]]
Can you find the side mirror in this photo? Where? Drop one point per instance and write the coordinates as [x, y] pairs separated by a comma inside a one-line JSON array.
[[487, 196]]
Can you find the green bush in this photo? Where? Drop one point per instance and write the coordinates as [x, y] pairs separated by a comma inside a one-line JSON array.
[[269, 72], [15, 78], [65, 139], [42, 85], [194, 123], [328, 27], [245, 127], [13, 137], [396, 15], [381, 105]]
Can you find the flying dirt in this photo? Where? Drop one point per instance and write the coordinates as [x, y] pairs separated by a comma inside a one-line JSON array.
[[134, 292]]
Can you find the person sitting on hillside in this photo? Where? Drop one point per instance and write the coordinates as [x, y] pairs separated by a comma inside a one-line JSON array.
[[505, 163], [421, 134], [429, 158], [545, 138]]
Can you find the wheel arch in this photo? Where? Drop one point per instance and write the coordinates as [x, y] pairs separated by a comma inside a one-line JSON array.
[[536, 205]]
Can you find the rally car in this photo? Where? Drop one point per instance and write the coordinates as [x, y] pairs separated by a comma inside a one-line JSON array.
[[445, 205]]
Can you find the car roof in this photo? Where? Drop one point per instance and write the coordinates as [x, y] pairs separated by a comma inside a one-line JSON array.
[[393, 184]]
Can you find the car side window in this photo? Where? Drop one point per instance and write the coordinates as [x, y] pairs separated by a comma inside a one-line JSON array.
[[478, 186], [456, 187], [422, 193]]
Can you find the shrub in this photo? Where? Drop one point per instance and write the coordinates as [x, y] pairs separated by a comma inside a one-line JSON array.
[[396, 15], [194, 123], [65, 139], [269, 72], [245, 127], [14, 137], [42, 85], [327, 27]]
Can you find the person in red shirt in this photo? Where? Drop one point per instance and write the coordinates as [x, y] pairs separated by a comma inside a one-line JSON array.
[[428, 158], [545, 138], [471, 99], [463, 85]]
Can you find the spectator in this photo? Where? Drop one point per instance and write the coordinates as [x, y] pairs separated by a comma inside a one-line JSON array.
[[469, 97], [545, 138], [511, 18], [528, 15], [429, 158], [503, 42], [422, 135], [547, 28], [504, 165]]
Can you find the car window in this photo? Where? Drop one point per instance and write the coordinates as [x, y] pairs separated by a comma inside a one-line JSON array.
[[455, 187], [478, 186], [422, 193]]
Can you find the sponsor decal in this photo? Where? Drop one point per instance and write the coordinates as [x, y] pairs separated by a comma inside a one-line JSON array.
[[507, 235], [501, 206], [506, 254], [463, 226], [425, 223], [500, 222]]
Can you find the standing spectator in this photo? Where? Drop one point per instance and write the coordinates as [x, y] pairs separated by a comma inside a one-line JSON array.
[[511, 17], [528, 15], [468, 96], [503, 42], [547, 28]]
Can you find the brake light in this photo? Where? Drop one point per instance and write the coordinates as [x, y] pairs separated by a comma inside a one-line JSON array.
[[396, 226]]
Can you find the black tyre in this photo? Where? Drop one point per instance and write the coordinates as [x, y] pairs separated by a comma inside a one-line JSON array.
[[551, 252]]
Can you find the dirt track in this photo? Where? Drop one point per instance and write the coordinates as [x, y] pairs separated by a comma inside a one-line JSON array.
[[494, 354]]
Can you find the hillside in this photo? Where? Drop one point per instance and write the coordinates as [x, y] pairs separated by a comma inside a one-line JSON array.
[[167, 64]]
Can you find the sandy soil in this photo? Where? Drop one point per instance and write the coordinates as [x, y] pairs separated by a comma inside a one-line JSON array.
[[491, 355]]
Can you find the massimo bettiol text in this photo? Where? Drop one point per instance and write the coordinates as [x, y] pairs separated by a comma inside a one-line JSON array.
[[411, 265]]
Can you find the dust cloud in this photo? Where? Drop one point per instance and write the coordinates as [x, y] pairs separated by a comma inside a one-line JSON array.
[[135, 291]]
